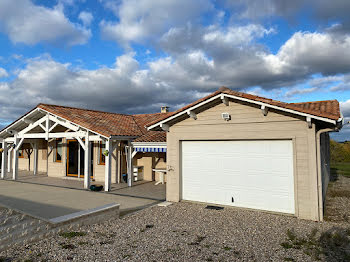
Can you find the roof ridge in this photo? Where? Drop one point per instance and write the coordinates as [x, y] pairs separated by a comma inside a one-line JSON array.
[[79, 108], [140, 128], [148, 114], [228, 91]]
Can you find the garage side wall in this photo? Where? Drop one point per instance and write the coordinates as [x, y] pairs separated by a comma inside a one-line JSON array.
[[248, 123]]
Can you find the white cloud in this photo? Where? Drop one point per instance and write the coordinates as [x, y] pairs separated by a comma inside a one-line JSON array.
[[3, 73], [140, 19], [30, 24], [317, 52], [86, 18], [300, 91], [236, 35]]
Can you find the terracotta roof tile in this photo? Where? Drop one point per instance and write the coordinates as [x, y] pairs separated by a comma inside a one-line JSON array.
[[152, 136], [327, 109], [109, 124]]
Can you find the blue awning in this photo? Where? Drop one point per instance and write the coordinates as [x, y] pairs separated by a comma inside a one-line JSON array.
[[150, 149]]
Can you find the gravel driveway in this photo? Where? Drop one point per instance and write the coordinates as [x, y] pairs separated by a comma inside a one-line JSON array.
[[189, 232]]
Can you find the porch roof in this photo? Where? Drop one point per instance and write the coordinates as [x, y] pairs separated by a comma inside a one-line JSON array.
[[104, 123]]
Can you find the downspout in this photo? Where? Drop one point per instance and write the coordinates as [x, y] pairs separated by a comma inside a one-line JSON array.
[[319, 170]]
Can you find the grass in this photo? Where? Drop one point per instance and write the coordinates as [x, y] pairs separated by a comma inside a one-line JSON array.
[[341, 169], [339, 193], [72, 234], [333, 243], [68, 246]]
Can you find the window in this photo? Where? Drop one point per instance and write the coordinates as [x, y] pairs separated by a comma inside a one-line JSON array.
[[58, 150], [102, 148]]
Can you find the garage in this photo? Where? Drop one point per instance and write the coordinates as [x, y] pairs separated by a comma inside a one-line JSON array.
[[241, 150], [251, 174]]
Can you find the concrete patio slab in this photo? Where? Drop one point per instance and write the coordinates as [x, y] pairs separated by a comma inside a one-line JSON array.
[[48, 201]]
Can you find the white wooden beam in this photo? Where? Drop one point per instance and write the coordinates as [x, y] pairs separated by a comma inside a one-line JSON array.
[[192, 114], [43, 127], [81, 142], [53, 127], [224, 100], [134, 154], [35, 169], [309, 122], [264, 110], [47, 127], [20, 142], [129, 164], [79, 159], [9, 140], [63, 123], [35, 124], [108, 166], [95, 138], [51, 135], [15, 160], [9, 159], [87, 164], [4, 160]]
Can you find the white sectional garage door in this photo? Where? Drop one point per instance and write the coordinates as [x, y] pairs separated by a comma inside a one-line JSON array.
[[252, 174]]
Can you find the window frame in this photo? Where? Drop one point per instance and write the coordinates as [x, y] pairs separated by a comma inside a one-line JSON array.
[[101, 162], [58, 140]]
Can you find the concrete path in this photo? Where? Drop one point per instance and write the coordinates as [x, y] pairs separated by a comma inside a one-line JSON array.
[[50, 201]]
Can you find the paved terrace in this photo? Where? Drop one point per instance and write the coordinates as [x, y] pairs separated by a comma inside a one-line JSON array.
[[49, 197]]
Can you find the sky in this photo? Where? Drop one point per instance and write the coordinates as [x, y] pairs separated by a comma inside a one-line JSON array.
[[134, 56]]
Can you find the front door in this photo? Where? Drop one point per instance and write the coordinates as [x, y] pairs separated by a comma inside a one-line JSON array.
[[75, 164]]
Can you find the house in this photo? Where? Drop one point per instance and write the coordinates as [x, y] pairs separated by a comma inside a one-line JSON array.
[[79, 143], [242, 150], [228, 148]]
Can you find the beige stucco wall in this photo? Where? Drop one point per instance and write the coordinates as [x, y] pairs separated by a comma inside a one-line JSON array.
[[59, 169], [248, 122], [27, 163], [150, 161]]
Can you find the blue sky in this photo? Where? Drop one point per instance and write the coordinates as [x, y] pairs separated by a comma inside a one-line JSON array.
[[134, 56]]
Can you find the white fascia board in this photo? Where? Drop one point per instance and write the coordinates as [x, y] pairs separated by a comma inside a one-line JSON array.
[[73, 123], [150, 144], [283, 109], [18, 121], [334, 122]]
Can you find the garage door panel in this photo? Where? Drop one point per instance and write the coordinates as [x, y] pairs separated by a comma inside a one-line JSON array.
[[257, 174]]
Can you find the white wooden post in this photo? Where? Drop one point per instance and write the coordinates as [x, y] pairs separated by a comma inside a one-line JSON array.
[[79, 148], [108, 160], [129, 165], [9, 158], [87, 166], [47, 127], [15, 159], [4, 160], [35, 166]]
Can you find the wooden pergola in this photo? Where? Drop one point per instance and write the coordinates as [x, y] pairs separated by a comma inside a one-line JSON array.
[[41, 124]]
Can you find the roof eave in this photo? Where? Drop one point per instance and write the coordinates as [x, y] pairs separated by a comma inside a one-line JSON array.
[[157, 126]]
